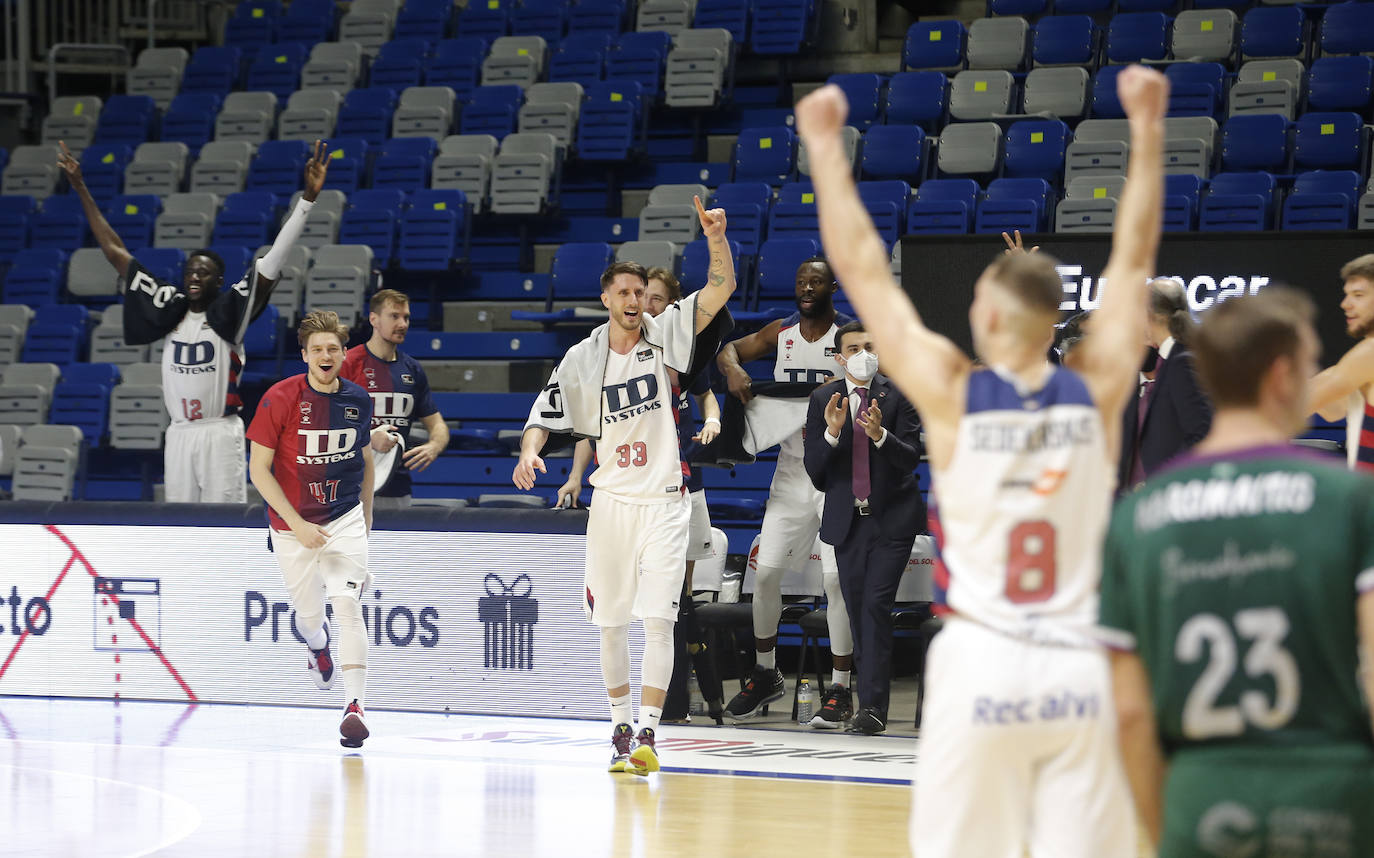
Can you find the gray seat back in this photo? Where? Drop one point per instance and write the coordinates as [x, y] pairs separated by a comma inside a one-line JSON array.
[[970, 148], [998, 43], [980, 94], [1061, 92]]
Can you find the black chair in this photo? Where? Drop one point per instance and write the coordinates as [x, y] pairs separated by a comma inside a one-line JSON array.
[[722, 621]]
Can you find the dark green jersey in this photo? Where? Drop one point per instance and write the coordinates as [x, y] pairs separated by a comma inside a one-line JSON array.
[[1235, 579]]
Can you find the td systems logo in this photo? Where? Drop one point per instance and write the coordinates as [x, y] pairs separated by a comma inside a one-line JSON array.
[[398, 625], [1084, 291]]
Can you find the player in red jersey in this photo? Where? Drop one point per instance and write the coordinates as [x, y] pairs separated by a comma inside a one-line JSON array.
[[311, 461]]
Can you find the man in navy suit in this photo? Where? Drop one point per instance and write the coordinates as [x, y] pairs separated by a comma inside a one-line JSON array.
[[862, 444]]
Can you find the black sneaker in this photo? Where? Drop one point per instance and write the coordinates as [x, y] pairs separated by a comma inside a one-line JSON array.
[[837, 708], [352, 731], [622, 742], [869, 721], [762, 687]]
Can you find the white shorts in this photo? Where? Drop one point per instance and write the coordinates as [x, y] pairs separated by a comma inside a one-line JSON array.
[[636, 559], [793, 516], [1018, 749], [203, 462], [699, 530], [339, 568]]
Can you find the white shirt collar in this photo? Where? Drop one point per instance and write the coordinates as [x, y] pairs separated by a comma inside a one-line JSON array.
[[1165, 348], [850, 386]]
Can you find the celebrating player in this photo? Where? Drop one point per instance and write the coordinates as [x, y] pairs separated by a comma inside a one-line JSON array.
[[1347, 389], [203, 356], [312, 462], [1239, 602], [1018, 741], [614, 387], [400, 395]]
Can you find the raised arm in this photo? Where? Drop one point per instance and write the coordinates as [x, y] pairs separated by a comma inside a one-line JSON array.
[[733, 356], [720, 282], [926, 366], [1112, 355], [1328, 391], [110, 242]]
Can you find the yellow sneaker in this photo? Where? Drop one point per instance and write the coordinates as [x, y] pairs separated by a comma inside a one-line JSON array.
[[645, 757]]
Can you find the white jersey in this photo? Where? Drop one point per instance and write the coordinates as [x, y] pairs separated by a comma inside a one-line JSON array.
[[637, 456], [200, 372], [1023, 507], [801, 360]]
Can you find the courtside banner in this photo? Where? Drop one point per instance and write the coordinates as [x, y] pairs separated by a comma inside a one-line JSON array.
[[486, 623]]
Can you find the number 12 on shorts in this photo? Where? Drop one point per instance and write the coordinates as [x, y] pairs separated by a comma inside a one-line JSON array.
[[325, 492]]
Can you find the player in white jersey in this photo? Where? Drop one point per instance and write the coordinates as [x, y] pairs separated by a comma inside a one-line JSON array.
[[804, 348], [1018, 744], [203, 356], [614, 387]]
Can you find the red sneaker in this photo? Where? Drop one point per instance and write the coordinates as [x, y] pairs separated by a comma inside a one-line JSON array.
[[352, 731]]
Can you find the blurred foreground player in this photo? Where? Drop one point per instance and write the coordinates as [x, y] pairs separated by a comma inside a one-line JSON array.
[[312, 463], [1238, 597]]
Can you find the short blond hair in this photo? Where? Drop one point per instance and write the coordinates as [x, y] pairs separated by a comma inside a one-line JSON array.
[[1360, 266], [387, 296], [670, 282], [321, 322]]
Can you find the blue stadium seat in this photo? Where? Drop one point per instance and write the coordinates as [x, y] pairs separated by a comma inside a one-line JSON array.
[[1238, 202], [1256, 142], [1329, 141], [1323, 199], [934, 45], [696, 261], [433, 230], [490, 19], [1341, 83], [544, 18], [1064, 40], [886, 203], [190, 119], [1146, 5], [943, 206], [1017, 7], [492, 110], [308, 22], [918, 98], [1077, 7], [371, 219], [128, 119], [1034, 148], [424, 19], [254, 22], [52, 343], [348, 163], [576, 267], [403, 163], [730, 15], [63, 314], [134, 217], [894, 152], [247, 218], [580, 59], [35, 277], [83, 405], [1238, 5], [16, 214], [779, 259], [746, 207], [1274, 32], [1181, 194], [1348, 28], [366, 113], [277, 70], [765, 154], [214, 70], [781, 27], [601, 16], [401, 63], [610, 126], [865, 95], [60, 224], [1136, 36], [639, 57], [1106, 105], [794, 212], [164, 263], [92, 373], [237, 258], [279, 167], [457, 64], [102, 168], [260, 340], [1196, 89], [1012, 204]]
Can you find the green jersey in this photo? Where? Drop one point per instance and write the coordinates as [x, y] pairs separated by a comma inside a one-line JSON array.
[[1235, 579]]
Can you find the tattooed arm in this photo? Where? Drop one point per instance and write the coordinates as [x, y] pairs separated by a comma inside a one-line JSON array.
[[720, 282]]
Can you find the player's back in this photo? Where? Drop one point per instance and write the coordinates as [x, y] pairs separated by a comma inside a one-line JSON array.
[[1022, 507], [1236, 579]]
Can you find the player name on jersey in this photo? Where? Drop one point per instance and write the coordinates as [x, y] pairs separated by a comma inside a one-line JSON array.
[[1275, 492]]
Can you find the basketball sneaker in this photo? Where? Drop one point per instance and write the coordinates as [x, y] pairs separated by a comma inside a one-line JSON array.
[[762, 687], [837, 708], [622, 742], [321, 664], [352, 731], [645, 756]]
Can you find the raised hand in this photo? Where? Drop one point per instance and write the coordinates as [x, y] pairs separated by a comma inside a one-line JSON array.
[[1016, 246], [712, 222], [1144, 94], [69, 165], [822, 113], [871, 421], [315, 170], [836, 410]]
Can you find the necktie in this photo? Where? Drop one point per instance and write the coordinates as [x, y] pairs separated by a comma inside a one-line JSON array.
[[1146, 391], [859, 479]]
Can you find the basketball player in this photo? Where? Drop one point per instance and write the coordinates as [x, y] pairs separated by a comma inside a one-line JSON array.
[[803, 346], [313, 465], [1018, 744], [400, 395], [1347, 389], [1238, 599], [614, 387], [204, 326]]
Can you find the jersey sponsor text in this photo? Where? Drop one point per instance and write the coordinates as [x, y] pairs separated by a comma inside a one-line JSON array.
[[1275, 492]]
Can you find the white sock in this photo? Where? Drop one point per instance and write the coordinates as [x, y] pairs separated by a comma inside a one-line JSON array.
[[649, 716], [768, 659], [355, 686], [622, 712], [839, 677], [317, 640]]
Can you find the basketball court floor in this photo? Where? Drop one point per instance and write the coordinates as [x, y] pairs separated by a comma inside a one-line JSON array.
[[105, 780]]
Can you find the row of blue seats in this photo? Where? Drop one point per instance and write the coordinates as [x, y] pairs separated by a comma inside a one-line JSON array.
[[1034, 8]]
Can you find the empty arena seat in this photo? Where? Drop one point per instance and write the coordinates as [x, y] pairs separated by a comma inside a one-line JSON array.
[[918, 98], [1329, 141], [1035, 148], [935, 45], [1273, 32], [1322, 199], [433, 230], [1136, 36], [1064, 40], [1348, 28], [1341, 83], [1255, 142], [765, 154], [943, 206], [1238, 202], [894, 152], [576, 267]]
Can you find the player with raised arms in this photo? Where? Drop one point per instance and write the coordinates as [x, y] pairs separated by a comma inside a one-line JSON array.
[[1018, 743], [614, 388], [312, 462]]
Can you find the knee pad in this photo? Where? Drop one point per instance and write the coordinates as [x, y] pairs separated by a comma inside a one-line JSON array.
[[656, 671], [615, 656], [349, 631]]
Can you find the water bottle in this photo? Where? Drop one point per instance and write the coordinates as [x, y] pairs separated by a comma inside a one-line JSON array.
[[697, 703], [806, 702]]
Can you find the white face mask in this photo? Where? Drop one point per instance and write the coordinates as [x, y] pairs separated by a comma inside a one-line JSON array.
[[862, 365]]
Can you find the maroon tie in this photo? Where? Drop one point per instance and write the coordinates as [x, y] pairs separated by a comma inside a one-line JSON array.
[[860, 481]]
